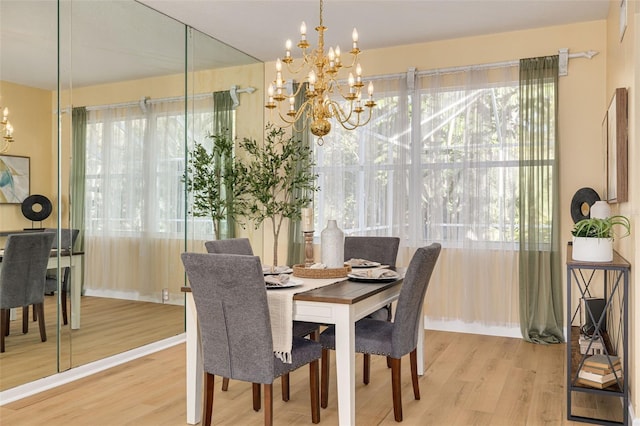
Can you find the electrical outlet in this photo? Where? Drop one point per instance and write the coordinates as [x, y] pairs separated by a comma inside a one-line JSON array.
[[165, 294]]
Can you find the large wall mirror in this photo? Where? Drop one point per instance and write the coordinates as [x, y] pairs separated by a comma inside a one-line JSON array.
[[108, 124]]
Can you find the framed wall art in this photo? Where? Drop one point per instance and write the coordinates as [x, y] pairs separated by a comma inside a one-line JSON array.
[[616, 143], [14, 179]]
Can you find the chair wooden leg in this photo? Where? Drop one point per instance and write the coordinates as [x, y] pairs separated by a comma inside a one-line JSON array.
[[396, 389], [366, 368], [207, 409], [315, 336], [225, 384], [255, 387], [4, 324], [388, 362], [324, 379], [63, 301], [413, 357], [285, 387], [268, 404], [25, 319], [314, 389], [7, 316], [43, 328]]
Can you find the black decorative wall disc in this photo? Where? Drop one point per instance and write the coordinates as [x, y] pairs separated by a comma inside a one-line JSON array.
[[36, 208], [581, 203]]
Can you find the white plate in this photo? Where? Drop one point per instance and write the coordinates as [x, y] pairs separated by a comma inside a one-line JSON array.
[[291, 283], [369, 264]]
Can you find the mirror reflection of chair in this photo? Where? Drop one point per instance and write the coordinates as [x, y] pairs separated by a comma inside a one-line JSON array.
[[383, 250], [22, 278], [300, 328], [67, 240], [393, 339], [235, 328]]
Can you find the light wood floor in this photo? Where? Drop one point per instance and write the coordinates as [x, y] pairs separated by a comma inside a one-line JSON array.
[[109, 327], [469, 380]]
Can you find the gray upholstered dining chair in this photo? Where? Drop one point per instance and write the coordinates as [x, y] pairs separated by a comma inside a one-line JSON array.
[[24, 266], [67, 240], [300, 328], [235, 328], [383, 250], [393, 339]]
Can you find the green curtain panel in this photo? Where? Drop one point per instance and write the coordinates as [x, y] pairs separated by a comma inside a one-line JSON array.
[[223, 122], [295, 249], [79, 141], [541, 317]]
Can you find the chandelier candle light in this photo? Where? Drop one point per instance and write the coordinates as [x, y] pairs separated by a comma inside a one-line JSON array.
[[7, 130], [322, 73]]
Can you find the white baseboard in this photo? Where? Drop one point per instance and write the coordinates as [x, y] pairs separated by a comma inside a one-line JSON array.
[[174, 299], [458, 326], [40, 385]]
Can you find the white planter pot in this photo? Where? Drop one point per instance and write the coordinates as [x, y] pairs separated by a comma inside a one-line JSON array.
[[592, 249]]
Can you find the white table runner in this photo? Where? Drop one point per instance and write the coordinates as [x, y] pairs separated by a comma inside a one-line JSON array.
[[281, 313]]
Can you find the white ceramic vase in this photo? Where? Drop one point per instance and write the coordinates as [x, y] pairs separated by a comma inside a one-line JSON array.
[[600, 210], [332, 245]]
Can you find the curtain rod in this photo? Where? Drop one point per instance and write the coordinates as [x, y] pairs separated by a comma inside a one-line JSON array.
[[563, 53]]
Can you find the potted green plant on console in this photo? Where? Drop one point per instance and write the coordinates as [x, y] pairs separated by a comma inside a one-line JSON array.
[[593, 238]]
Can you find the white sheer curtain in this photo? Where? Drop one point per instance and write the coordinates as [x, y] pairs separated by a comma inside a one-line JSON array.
[[437, 162], [135, 204], [363, 173], [469, 149]]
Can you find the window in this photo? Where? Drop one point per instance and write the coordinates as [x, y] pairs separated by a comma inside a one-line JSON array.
[[135, 161], [438, 162]]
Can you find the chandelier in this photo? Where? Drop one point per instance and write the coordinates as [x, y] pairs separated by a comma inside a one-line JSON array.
[[325, 97], [6, 130]]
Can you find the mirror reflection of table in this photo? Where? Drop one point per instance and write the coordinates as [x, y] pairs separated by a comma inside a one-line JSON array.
[[73, 261]]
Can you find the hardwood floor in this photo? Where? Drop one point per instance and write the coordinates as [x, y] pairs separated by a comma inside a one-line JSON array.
[[469, 380], [109, 327]]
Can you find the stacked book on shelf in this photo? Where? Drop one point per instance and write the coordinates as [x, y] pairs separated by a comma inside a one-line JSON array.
[[600, 371], [592, 345]]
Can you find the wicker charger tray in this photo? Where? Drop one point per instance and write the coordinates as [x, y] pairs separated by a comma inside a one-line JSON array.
[[303, 272]]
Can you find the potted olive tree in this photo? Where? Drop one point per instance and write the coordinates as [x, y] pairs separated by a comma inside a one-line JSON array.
[[212, 176], [273, 174], [593, 238]]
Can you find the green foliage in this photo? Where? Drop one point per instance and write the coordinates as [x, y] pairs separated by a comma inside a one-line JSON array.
[[277, 179], [212, 177], [600, 228]]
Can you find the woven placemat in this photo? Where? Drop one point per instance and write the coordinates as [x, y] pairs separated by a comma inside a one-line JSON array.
[[303, 272]]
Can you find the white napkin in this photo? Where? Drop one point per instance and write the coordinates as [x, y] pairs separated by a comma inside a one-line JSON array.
[[318, 266], [276, 280], [377, 273]]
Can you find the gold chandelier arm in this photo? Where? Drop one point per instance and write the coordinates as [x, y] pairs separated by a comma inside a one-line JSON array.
[[346, 120]]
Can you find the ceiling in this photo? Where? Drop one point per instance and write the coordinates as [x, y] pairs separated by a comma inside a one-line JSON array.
[[103, 53], [261, 27]]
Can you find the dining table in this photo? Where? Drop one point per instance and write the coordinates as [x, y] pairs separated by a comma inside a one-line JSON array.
[[67, 259], [341, 303]]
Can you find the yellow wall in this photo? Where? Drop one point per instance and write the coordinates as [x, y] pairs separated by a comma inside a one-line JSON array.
[[623, 70], [33, 118]]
